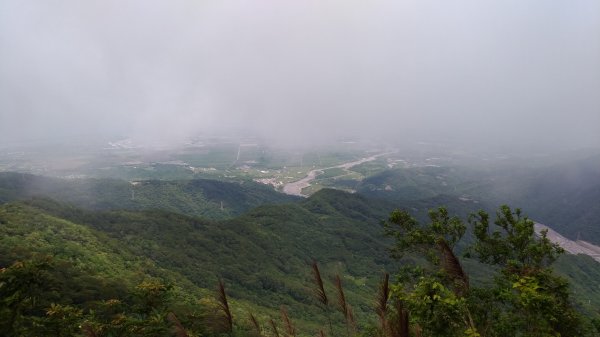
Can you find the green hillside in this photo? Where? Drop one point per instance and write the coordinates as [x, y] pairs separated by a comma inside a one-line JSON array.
[[263, 256], [56, 275], [411, 183], [198, 197]]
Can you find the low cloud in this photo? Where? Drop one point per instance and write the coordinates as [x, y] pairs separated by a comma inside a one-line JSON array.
[[500, 73]]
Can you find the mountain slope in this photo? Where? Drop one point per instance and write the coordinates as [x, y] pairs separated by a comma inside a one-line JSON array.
[[263, 255], [90, 264], [198, 197]]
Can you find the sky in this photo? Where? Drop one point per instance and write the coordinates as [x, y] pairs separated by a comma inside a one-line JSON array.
[[507, 72]]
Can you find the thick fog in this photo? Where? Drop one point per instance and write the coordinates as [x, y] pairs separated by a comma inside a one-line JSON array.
[[489, 72]]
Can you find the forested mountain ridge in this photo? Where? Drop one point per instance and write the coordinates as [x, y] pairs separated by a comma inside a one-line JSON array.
[[262, 255], [563, 194], [281, 238], [196, 197]]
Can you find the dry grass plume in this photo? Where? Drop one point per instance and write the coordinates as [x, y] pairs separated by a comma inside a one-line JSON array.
[[179, 329], [224, 305], [453, 268], [255, 325], [287, 322], [274, 328]]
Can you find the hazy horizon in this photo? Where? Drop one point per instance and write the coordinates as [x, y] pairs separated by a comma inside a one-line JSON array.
[[499, 74]]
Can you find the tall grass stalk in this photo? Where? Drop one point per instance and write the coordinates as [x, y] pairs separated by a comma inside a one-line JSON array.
[[321, 294], [224, 305]]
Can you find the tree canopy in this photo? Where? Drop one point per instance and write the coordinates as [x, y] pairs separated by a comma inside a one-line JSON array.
[[523, 297]]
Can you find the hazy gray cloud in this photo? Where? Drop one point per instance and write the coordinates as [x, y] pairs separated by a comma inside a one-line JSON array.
[[483, 71]]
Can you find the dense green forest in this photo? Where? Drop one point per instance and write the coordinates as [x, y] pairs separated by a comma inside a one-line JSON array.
[[198, 197], [109, 269]]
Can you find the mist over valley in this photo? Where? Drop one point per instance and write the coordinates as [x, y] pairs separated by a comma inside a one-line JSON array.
[[290, 169]]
